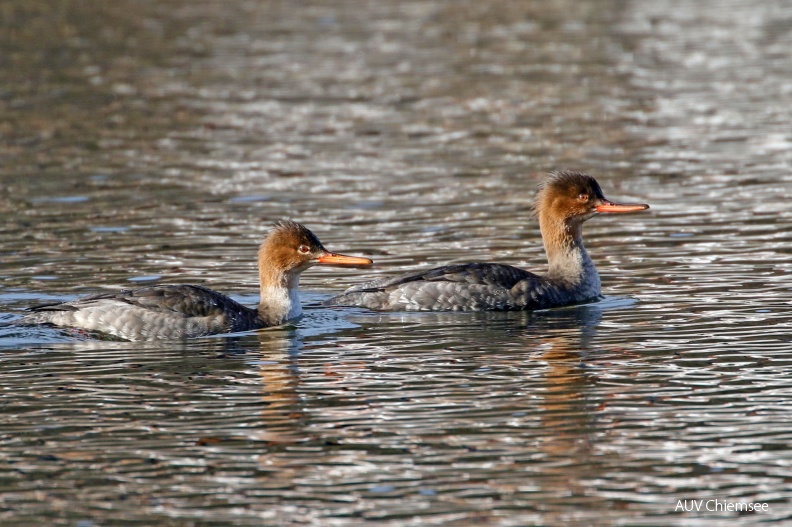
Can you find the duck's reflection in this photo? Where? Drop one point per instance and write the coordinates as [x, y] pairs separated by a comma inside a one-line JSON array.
[[283, 415], [541, 356], [565, 341], [551, 416], [566, 407], [561, 338]]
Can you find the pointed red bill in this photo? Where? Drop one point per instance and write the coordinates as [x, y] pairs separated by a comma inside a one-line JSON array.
[[609, 206], [342, 259]]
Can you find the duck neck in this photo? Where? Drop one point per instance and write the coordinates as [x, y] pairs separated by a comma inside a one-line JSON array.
[[280, 300], [569, 264]]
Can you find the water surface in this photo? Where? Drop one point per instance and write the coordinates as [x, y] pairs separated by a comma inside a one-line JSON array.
[[155, 142]]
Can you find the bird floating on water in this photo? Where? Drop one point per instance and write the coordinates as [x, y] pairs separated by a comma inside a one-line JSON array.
[[564, 202], [186, 311]]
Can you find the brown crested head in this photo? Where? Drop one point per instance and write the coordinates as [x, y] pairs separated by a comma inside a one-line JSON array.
[[573, 197], [290, 247]]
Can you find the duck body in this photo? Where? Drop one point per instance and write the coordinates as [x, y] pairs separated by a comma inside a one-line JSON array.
[[151, 313], [564, 202], [189, 311], [468, 287]]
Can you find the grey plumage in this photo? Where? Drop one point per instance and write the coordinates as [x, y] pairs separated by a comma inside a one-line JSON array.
[[564, 202], [463, 287], [148, 313], [187, 311]]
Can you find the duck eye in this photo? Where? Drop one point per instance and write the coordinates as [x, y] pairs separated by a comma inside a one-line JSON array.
[[583, 197], [304, 249]]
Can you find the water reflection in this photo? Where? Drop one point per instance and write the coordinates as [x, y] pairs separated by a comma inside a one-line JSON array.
[[415, 132], [364, 386], [282, 417]]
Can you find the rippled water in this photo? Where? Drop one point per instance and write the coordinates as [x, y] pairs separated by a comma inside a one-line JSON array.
[[154, 142]]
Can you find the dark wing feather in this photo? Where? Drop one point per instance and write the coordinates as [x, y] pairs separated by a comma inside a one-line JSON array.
[[487, 274], [186, 300], [462, 287]]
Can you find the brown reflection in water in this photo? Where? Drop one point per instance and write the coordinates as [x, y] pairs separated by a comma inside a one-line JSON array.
[[566, 411], [562, 340], [283, 416], [564, 399], [554, 400], [564, 416]]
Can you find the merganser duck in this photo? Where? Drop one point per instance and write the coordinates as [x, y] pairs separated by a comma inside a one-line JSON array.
[[187, 311], [564, 201]]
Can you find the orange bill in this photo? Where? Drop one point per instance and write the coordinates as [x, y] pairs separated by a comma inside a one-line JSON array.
[[608, 206], [342, 259]]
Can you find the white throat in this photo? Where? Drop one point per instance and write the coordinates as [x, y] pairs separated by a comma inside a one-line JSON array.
[[573, 267], [280, 303]]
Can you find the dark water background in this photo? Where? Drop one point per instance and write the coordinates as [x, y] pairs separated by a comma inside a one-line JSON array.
[[155, 141]]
